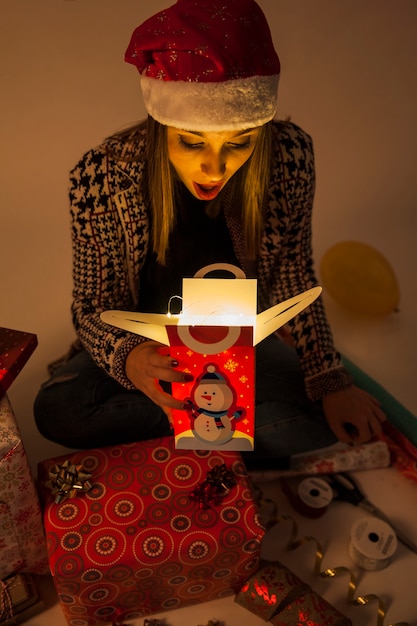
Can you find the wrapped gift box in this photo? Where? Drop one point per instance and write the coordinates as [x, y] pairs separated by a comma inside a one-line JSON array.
[[277, 595], [15, 349], [19, 600], [152, 529], [213, 339], [22, 539]]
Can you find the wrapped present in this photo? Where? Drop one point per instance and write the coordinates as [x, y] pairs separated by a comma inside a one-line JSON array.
[[366, 456], [270, 590], [15, 349], [22, 539], [19, 600], [310, 610], [213, 339], [277, 595], [331, 460], [143, 528]]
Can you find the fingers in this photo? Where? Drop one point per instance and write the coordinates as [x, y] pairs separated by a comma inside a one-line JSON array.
[[149, 363], [354, 415], [154, 391], [163, 367]]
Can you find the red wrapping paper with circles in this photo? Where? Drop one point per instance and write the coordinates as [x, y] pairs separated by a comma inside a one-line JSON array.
[[139, 541]]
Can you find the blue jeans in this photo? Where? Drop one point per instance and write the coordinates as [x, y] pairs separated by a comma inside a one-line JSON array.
[[81, 406]]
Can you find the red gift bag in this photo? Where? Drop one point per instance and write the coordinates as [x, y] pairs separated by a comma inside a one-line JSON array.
[[152, 529], [214, 339], [221, 397]]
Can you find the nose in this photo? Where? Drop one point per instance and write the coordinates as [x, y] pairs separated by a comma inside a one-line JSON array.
[[214, 165]]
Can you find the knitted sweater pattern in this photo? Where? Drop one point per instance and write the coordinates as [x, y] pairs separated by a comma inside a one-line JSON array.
[[111, 236]]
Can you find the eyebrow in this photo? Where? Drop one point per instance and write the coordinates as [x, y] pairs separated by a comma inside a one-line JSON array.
[[201, 134]]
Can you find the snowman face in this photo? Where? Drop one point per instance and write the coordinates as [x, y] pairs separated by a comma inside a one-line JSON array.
[[213, 397]]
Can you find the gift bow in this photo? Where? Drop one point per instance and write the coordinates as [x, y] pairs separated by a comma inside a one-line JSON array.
[[67, 480], [217, 484]]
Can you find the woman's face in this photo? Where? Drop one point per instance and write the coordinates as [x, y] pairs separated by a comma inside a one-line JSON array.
[[205, 161]]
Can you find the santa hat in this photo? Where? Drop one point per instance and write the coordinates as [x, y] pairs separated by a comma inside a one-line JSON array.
[[207, 65]]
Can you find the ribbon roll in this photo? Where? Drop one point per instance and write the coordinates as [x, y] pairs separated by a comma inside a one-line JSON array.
[[372, 543]]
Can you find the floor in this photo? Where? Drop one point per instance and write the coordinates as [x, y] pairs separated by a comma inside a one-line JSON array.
[[387, 488]]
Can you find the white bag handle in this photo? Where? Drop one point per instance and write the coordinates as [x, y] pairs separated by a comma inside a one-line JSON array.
[[228, 267]]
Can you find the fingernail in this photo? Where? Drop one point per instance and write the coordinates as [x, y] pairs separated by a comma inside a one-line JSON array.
[[188, 378], [173, 363]]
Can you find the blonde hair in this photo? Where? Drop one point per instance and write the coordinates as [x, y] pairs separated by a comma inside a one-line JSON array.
[[245, 193]]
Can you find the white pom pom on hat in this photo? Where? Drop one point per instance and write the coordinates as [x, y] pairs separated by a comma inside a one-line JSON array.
[[212, 375]]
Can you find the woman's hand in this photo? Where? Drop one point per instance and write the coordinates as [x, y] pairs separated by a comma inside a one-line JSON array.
[[353, 415], [146, 365]]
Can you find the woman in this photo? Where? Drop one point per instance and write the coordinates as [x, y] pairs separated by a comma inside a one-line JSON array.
[[210, 177]]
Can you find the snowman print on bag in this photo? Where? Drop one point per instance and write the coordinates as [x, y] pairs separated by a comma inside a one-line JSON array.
[[212, 406]]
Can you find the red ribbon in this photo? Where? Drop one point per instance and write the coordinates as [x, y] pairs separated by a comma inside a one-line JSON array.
[[212, 490]]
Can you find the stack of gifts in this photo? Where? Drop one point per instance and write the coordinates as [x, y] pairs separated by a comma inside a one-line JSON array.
[[22, 544], [22, 538], [278, 596], [139, 529]]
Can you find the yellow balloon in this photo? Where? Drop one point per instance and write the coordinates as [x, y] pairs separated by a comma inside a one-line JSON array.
[[360, 278]]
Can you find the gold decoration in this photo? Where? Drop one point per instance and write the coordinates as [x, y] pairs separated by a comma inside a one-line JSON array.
[[295, 542], [67, 481]]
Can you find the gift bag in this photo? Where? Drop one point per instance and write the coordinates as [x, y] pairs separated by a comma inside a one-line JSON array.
[[214, 339], [221, 398], [22, 539], [143, 528]]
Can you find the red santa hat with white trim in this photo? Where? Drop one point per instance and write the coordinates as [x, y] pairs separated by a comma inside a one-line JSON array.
[[207, 65]]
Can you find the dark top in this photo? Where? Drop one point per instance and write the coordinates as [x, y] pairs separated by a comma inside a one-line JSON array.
[[187, 254]]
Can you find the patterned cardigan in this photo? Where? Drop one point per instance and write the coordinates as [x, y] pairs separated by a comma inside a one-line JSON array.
[[110, 237]]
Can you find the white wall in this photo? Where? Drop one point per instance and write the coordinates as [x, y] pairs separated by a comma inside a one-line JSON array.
[[349, 72]]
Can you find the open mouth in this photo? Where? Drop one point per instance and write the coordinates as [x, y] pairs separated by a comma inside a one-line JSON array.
[[207, 192]]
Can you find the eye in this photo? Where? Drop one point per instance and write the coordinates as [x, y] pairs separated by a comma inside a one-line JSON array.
[[240, 146], [189, 145]]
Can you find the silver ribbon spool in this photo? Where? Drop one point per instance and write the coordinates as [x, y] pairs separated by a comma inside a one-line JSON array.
[[372, 543]]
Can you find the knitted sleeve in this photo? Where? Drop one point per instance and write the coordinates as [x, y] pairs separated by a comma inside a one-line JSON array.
[[286, 265], [100, 273]]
